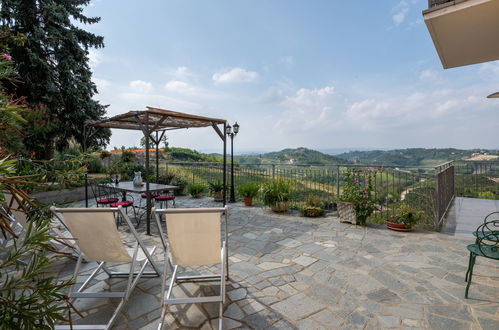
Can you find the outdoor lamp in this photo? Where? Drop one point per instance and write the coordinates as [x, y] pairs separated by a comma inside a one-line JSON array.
[[232, 131]]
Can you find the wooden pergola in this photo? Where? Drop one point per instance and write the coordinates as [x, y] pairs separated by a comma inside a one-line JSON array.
[[153, 123]]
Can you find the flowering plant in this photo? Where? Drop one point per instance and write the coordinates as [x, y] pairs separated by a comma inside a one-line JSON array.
[[358, 190], [406, 215]]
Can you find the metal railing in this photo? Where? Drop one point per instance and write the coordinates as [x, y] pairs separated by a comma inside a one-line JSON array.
[[445, 192], [430, 188], [436, 3], [477, 179], [425, 187]]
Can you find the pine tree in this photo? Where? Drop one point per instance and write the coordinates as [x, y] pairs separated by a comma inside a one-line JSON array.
[[53, 70]]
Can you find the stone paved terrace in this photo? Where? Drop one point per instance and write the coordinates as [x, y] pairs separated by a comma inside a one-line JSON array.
[[289, 272]]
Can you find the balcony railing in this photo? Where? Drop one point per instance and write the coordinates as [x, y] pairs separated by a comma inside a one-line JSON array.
[[428, 188], [436, 3]]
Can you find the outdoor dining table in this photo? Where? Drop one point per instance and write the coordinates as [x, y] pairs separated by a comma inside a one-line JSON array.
[[128, 186]]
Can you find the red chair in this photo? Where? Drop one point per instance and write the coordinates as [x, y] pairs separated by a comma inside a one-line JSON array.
[[126, 205], [163, 200], [103, 194]]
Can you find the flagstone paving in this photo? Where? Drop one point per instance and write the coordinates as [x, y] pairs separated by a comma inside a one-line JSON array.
[[289, 272]]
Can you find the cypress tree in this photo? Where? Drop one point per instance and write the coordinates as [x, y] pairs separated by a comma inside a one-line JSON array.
[[53, 69]]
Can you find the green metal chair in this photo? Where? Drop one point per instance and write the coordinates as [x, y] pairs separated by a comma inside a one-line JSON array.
[[495, 229], [486, 245]]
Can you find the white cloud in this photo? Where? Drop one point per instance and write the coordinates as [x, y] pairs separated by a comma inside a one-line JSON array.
[[235, 75], [141, 86], [430, 75], [141, 100], [182, 73], [307, 110], [401, 11], [310, 97], [101, 83], [94, 57], [180, 87]]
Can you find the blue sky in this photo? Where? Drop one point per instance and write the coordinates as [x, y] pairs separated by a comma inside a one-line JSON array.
[[316, 74]]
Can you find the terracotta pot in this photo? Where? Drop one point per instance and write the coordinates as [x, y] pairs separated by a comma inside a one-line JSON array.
[[397, 226], [248, 201], [280, 207]]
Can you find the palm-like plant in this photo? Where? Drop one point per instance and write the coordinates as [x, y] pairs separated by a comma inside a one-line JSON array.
[[29, 297]]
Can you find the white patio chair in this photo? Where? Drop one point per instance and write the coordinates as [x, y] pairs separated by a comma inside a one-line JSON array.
[[97, 239], [193, 239], [61, 242]]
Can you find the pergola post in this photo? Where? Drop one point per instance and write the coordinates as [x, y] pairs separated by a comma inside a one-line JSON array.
[[148, 206], [154, 120], [157, 157]]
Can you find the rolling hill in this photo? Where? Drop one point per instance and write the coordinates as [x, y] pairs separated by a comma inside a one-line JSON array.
[[292, 156]]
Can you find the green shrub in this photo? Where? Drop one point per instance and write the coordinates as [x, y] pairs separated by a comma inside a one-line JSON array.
[[486, 195], [406, 215], [276, 191], [126, 169], [216, 187], [127, 156], [249, 190], [95, 166], [311, 211], [181, 183], [104, 154], [196, 189], [313, 200], [313, 207], [167, 177]]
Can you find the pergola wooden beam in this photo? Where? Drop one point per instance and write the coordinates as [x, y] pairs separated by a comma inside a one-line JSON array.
[[160, 120]]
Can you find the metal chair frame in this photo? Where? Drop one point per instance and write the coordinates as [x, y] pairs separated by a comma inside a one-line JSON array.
[[101, 192], [133, 275], [174, 269], [486, 245]]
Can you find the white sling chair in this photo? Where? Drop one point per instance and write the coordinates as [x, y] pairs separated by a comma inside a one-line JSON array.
[[193, 239], [97, 239], [61, 241]]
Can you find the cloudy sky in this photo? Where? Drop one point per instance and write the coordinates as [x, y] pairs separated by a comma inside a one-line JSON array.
[[318, 74]]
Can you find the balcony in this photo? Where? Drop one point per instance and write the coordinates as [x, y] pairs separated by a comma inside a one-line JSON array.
[[464, 32]]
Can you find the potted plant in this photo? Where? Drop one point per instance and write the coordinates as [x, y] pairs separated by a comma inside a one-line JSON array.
[[216, 188], [249, 191], [196, 189], [405, 219], [276, 194], [313, 207], [355, 202]]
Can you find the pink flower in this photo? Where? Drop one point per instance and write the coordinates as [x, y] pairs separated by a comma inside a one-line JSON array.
[[6, 57]]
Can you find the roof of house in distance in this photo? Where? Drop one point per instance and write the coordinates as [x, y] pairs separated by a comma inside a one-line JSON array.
[[157, 120]]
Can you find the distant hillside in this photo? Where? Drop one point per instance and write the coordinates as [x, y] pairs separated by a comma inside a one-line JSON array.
[[407, 157], [291, 156], [188, 155]]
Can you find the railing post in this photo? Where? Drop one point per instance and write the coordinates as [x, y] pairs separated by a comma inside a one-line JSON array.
[[337, 181], [437, 199], [273, 171]]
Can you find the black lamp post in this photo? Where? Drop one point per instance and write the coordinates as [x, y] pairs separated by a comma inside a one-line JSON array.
[[232, 131]]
